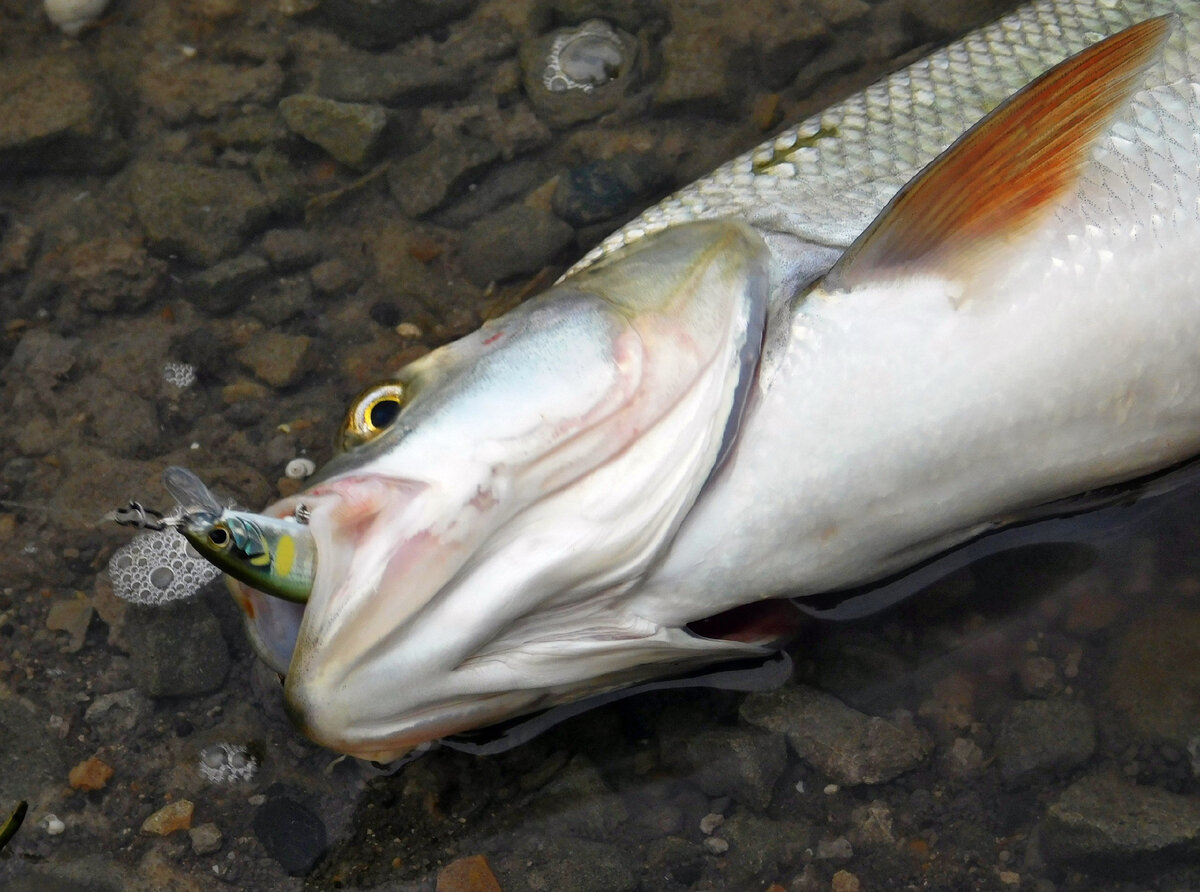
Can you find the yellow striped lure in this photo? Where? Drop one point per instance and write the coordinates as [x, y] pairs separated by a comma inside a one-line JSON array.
[[276, 556]]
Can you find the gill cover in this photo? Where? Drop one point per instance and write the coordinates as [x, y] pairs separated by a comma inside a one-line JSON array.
[[474, 545]]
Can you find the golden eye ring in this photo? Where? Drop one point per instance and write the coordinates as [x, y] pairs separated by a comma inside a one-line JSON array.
[[372, 412]]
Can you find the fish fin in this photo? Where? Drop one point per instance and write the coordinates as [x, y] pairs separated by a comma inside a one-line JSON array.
[[999, 178]]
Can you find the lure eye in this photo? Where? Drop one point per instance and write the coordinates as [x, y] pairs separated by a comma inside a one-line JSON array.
[[219, 536], [373, 412]]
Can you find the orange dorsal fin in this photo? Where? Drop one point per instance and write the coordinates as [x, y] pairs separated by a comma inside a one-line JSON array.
[[998, 178]]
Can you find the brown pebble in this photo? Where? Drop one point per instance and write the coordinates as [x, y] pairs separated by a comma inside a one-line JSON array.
[[845, 881], [170, 818], [471, 874], [90, 774]]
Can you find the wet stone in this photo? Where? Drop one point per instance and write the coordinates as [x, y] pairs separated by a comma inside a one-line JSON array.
[[512, 242], [580, 73], [31, 757], [759, 846], [205, 90], [108, 274], [388, 79], [348, 131], [600, 190], [90, 775], [171, 818], [847, 745], [735, 762], [577, 801], [291, 834], [562, 862], [206, 839], [470, 874], [119, 712], [428, 178], [177, 649], [289, 250], [54, 117], [225, 285], [203, 214], [1103, 821], [381, 23], [280, 360], [335, 276], [1040, 737]]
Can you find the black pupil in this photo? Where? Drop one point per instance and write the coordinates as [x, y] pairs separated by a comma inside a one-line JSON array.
[[218, 536], [383, 413]]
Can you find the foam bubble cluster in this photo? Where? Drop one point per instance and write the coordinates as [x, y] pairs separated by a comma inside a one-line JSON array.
[[227, 763], [158, 567], [179, 374]]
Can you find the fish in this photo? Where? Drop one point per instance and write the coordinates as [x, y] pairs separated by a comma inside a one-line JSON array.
[[928, 313]]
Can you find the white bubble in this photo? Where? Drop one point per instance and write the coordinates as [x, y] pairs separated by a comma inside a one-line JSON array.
[[158, 567], [227, 763]]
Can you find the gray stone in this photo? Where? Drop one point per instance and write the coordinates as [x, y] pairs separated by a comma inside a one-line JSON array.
[[225, 285], [389, 79], [758, 847], [30, 759], [1040, 737], [737, 762], [426, 179], [289, 250], [512, 242], [206, 839], [1102, 821], [563, 862], [628, 14], [379, 23], [349, 131], [201, 213], [848, 746], [54, 117], [119, 712], [578, 802], [176, 649]]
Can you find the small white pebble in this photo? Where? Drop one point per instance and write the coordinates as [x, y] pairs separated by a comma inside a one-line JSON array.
[[408, 330], [53, 824], [716, 845], [72, 16], [830, 789], [800, 786], [711, 822], [299, 468]]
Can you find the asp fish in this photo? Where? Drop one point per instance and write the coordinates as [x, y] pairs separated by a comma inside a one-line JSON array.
[[966, 293]]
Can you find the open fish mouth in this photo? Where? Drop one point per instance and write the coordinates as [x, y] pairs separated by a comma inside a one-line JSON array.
[[475, 545]]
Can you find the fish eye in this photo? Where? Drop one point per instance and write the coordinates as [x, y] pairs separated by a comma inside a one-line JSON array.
[[219, 536], [372, 412]]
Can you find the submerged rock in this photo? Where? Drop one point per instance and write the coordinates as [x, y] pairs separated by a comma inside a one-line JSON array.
[[1103, 821], [201, 213], [849, 746], [731, 762], [516, 240], [1044, 736], [177, 649], [379, 23], [577, 74], [54, 117], [291, 834], [349, 131]]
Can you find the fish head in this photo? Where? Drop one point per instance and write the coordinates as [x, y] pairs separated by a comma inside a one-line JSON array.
[[497, 499]]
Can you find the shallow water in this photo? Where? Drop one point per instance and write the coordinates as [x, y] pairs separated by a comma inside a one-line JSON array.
[[1026, 705]]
